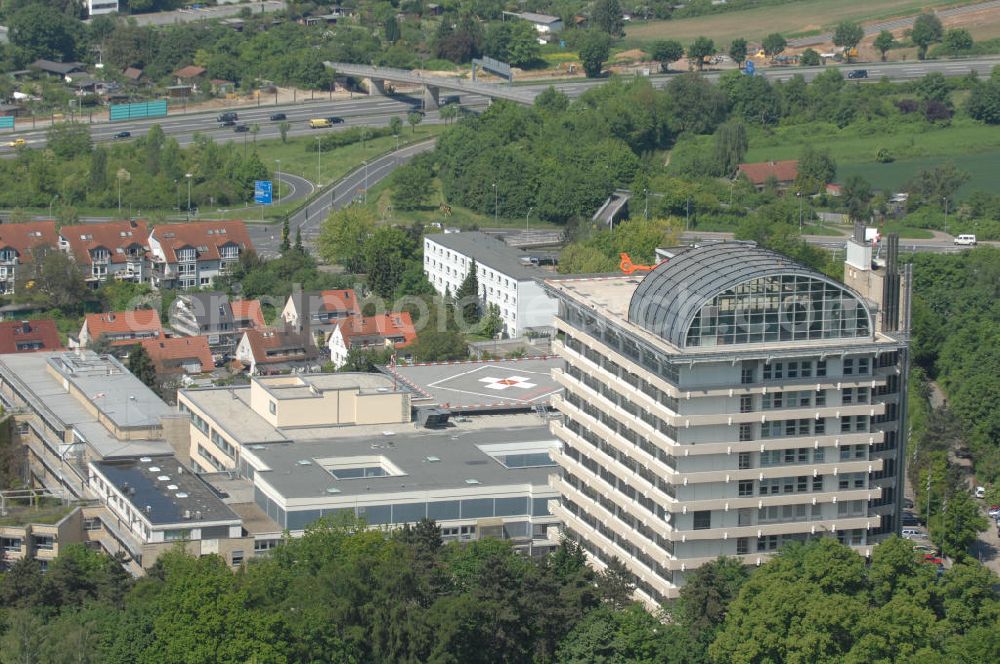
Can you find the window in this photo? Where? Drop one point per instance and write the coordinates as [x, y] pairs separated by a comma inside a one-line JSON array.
[[746, 487], [702, 519], [744, 460], [11, 544], [820, 398], [237, 558], [848, 366], [847, 396], [863, 366], [746, 403], [44, 542], [261, 547], [820, 368], [793, 369], [819, 455], [742, 546], [272, 407], [746, 432], [819, 428], [807, 369], [818, 483], [746, 374]]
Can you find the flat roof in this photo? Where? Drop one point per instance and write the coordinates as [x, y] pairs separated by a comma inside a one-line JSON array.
[[167, 489], [230, 408], [487, 250], [305, 386], [29, 372], [429, 460], [492, 384]]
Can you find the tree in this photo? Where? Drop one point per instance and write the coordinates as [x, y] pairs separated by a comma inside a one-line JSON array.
[[298, 240], [696, 105], [616, 584], [52, 278], [933, 87], [701, 48], [467, 297], [283, 128], [738, 51], [594, 48], [392, 31], [414, 119], [492, 323], [774, 44], [857, 197], [412, 185], [667, 51], [936, 185], [68, 139], [957, 40], [41, 32], [385, 254], [883, 42], [809, 58], [957, 525], [629, 635], [439, 346], [343, 235], [927, 30], [448, 113], [254, 130], [607, 16], [706, 596], [286, 240], [141, 366], [551, 100], [847, 36], [395, 125], [984, 102], [731, 144], [816, 169]]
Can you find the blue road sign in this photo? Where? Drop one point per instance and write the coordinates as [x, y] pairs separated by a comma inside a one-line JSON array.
[[749, 67], [262, 192]]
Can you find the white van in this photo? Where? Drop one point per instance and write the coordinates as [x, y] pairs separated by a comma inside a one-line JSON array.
[[967, 240], [980, 492]]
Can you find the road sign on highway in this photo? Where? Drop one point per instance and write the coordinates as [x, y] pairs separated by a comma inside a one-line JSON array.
[[749, 67], [262, 192]]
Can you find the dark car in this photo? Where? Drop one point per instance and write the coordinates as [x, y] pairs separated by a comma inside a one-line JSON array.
[[335, 120], [278, 116], [227, 123], [857, 73], [122, 134], [239, 129]]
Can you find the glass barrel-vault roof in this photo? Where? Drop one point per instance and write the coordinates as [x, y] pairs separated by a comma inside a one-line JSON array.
[[729, 293]]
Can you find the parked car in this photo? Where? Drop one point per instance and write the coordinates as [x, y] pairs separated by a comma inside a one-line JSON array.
[[335, 120], [966, 240], [980, 492], [963, 453], [931, 558], [910, 520], [278, 116], [239, 129], [924, 549], [122, 134], [911, 533], [994, 511], [857, 73]]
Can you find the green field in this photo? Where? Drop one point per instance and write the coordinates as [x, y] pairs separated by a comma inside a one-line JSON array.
[[797, 18], [982, 168]]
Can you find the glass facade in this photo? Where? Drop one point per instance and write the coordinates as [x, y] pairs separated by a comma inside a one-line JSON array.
[[781, 307]]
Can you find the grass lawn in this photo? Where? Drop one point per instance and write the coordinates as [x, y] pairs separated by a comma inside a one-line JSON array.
[[907, 232], [982, 168], [799, 18], [825, 231]]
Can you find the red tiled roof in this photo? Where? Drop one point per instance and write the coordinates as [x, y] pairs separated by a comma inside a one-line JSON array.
[[27, 336], [783, 171], [26, 236], [382, 326], [339, 300], [115, 236], [272, 345], [191, 71], [169, 354], [123, 324], [204, 236], [249, 311]]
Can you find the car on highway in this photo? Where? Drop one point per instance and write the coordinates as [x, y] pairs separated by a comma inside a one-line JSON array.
[[278, 116], [335, 120], [241, 128], [320, 123], [17, 143], [857, 73], [966, 240], [227, 123], [227, 116], [122, 134]]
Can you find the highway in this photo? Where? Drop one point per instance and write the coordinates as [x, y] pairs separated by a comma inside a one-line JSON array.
[[937, 245]]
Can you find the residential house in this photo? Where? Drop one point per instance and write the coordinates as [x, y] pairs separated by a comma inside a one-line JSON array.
[[17, 244], [277, 350], [133, 75], [782, 172], [544, 24], [392, 330], [191, 76], [188, 355], [27, 336], [213, 316], [193, 254], [120, 328], [98, 7], [325, 308], [60, 69], [109, 250], [507, 277]]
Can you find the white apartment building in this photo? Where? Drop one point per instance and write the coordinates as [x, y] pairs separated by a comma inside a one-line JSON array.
[[506, 277], [726, 404]]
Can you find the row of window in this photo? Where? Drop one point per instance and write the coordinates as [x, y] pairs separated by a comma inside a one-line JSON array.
[[212, 461], [613, 368]]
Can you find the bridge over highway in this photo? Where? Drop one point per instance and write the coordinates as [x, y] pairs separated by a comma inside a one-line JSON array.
[[376, 77]]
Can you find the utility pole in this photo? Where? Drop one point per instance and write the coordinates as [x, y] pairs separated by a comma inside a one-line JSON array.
[[366, 182], [945, 215], [188, 176], [277, 185], [526, 219], [319, 158], [496, 203], [645, 212]]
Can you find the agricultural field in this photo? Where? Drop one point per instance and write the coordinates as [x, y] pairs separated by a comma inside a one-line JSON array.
[[982, 168], [803, 18]]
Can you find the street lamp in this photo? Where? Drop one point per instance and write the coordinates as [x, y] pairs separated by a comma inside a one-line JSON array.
[[50, 204], [277, 185], [319, 158], [945, 214], [645, 211], [189, 176], [526, 219], [798, 195], [366, 181], [496, 203]]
